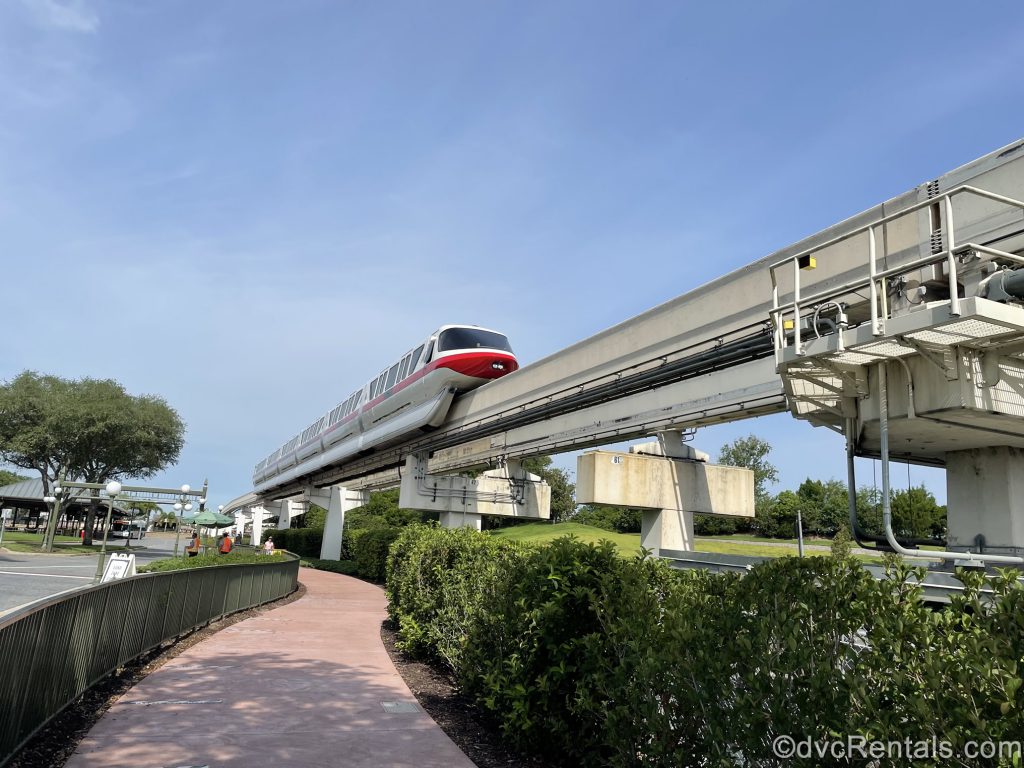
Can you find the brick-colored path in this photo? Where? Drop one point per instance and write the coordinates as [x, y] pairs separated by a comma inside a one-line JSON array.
[[307, 684]]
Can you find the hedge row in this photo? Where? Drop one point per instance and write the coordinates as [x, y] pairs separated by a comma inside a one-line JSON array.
[[305, 542], [365, 551], [594, 659], [202, 561]]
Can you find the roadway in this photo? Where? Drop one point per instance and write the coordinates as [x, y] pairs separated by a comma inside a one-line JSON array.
[[25, 578]]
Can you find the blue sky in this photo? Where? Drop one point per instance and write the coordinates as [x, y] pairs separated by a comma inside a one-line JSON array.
[[251, 207]]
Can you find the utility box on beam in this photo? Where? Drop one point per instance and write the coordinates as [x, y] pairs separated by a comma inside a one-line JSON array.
[[657, 482]]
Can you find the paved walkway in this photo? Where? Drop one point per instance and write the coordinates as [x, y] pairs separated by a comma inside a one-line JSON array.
[[307, 684]]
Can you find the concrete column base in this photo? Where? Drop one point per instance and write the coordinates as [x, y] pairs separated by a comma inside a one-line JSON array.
[[258, 513], [461, 520], [666, 529], [287, 509], [985, 497], [337, 500]]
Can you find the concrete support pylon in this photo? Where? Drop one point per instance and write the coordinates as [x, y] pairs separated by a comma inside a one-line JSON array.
[[287, 509], [662, 529], [258, 513], [461, 520], [337, 500], [985, 493], [669, 481]]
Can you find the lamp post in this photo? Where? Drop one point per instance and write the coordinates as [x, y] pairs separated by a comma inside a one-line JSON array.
[[182, 504], [113, 488], [51, 502]]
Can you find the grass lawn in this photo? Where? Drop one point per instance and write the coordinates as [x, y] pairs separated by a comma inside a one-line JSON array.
[[20, 541], [628, 544]]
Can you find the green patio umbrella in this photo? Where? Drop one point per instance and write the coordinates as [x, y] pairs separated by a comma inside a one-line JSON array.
[[209, 519]]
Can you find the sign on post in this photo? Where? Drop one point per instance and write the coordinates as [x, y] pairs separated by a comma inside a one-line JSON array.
[[118, 566]]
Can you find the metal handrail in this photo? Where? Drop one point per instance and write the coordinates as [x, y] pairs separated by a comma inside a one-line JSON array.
[[53, 650], [949, 255]]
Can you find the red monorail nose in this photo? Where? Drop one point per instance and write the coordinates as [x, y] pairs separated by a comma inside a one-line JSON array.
[[480, 365]]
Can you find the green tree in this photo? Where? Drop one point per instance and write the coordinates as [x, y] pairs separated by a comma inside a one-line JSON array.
[[9, 478], [315, 517], [621, 519], [166, 519], [823, 506], [752, 452], [563, 490], [869, 510], [916, 514], [383, 511], [88, 429]]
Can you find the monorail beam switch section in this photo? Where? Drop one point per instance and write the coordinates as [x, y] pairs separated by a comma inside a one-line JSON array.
[[508, 491], [670, 482]]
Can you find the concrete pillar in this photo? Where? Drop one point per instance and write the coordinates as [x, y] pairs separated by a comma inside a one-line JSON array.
[[258, 513], [668, 481], [985, 497], [461, 520], [337, 500], [287, 509], [662, 529]]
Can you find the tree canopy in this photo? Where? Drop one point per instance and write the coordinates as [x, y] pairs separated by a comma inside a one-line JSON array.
[[9, 478], [751, 452], [85, 429]]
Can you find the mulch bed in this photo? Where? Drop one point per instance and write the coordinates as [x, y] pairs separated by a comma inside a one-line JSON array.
[[464, 723], [56, 742]]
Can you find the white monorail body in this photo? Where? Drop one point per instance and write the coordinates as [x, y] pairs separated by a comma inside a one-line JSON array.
[[413, 394]]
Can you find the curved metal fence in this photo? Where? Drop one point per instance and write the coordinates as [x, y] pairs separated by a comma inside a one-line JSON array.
[[54, 650]]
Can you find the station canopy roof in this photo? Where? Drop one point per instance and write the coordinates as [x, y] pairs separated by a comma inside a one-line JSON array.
[[28, 494]]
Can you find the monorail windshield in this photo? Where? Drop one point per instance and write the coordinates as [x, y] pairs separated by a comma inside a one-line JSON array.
[[471, 338]]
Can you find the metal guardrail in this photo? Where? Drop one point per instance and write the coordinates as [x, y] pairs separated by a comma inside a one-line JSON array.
[[54, 650], [938, 585]]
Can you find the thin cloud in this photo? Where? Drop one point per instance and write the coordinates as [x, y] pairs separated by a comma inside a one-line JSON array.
[[70, 15]]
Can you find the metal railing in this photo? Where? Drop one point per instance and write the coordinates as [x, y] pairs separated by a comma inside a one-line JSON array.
[[54, 650], [876, 278]]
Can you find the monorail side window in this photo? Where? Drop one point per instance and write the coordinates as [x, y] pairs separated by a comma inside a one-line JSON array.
[[415, 357], [471, 338], [404, 369], [392, 376]]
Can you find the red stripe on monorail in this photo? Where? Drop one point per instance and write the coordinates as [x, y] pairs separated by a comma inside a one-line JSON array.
[[480, 365]]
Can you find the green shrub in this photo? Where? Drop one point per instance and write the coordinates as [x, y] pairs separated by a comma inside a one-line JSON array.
[[370, 552], [438, 580], [594, 659], [201, 561], [619, 519], [345, 567], [305, 542]]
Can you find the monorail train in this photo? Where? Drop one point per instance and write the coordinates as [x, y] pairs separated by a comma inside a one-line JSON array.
[[413, 394]]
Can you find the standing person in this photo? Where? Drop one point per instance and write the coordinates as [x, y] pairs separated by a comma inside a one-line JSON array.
[[192, 548], [268, 546], [238, 538], [225, 544]]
